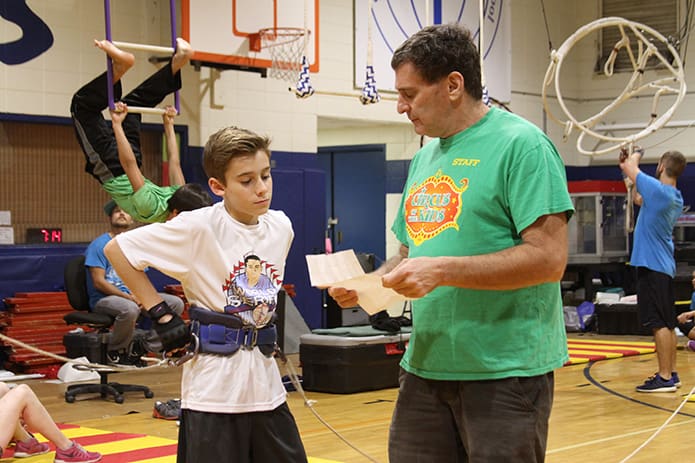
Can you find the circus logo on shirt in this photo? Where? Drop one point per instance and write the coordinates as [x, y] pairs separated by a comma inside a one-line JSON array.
[[432, 206], [251, 291]]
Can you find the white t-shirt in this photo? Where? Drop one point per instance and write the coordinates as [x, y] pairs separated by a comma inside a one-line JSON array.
[[205, 250]]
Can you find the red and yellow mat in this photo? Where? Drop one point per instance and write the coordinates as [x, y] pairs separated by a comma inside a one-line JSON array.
[[116, 447], [591, 350]]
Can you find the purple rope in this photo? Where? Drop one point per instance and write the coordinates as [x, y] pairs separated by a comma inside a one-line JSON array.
[[109, 64], [172, 9]]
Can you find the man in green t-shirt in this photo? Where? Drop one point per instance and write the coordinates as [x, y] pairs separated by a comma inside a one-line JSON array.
[[483, 232], [112, 150]]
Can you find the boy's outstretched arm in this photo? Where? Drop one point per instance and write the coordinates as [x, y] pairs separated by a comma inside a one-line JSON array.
[[125, 153], [170, 327], [175, 172]]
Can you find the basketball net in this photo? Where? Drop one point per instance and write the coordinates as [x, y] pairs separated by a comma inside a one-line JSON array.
[[286, 48]]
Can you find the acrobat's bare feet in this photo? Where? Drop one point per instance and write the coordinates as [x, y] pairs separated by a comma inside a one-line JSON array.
[[182, 55], [122, 60]]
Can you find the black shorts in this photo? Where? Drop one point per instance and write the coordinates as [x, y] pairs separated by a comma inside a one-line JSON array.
[[655, 299], [256, 437]]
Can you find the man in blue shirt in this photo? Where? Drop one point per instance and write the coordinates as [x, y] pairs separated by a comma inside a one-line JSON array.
[[108, 294], [661, 203]]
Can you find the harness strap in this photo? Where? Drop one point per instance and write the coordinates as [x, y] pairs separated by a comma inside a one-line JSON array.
[[217, 335]]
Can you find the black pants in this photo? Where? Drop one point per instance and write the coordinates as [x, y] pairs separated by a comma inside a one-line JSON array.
[[94, 132], [257, 437]]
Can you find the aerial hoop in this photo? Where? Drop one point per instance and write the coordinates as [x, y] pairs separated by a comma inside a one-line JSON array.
[[646, 37]]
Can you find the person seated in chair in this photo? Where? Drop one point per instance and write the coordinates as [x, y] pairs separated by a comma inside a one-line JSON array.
[[108, 294]]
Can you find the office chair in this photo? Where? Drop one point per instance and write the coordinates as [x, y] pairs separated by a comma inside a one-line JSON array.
[[75, 277]]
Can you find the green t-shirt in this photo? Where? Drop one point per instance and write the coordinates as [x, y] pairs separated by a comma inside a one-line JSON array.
[[471, 194], [148, 204]]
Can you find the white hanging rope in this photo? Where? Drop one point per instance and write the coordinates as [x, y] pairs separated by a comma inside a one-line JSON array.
[[481, 42], [302, 85], [370, 93], [481, 51]]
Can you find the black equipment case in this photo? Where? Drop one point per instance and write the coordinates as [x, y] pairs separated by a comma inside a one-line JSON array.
[[619, 319], [343, 365]]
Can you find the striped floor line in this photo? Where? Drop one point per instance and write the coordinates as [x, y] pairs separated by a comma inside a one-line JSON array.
[[591, 350], [117, 447]]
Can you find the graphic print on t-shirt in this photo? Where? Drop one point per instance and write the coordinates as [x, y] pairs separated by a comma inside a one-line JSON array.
[[432, 206], [251, 291], [112, 277]]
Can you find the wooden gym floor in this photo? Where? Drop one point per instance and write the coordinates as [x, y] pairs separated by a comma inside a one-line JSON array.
[[597, 414]]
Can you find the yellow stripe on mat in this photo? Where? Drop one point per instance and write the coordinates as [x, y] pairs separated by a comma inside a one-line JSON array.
[[591, 350], [610, 343]]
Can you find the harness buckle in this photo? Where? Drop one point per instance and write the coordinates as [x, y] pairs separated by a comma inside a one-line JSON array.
[[191, 351], [249, 338]]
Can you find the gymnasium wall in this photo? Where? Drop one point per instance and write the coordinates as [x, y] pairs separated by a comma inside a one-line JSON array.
[[44, 183]]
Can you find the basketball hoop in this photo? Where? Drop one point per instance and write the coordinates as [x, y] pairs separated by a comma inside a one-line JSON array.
[[286, 47], [645, 37]]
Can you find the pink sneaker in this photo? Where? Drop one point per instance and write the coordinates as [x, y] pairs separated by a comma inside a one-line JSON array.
[[690, 345], [76, 454], [30, 448]]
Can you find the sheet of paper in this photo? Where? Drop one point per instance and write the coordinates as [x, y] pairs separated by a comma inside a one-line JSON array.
[[342, 269], [326, 269]]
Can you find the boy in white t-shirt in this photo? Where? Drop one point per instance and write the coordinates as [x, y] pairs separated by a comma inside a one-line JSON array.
[[233, 405]]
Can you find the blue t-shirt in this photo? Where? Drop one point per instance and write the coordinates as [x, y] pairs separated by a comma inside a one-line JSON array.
[[653, 239], [95, 257]]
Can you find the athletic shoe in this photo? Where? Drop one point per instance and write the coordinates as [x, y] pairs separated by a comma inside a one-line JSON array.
[[124, 358], [676, 379], [690, 345], [30, 448], [76, 454], [169, 410], [657, 384]]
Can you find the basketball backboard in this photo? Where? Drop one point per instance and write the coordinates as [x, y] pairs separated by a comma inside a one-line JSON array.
[[219, 29]]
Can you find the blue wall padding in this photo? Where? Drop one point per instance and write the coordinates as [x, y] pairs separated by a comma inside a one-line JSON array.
[[38, 268]]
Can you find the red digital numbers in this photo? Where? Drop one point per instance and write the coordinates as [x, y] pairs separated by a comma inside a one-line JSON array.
[[52, 235]]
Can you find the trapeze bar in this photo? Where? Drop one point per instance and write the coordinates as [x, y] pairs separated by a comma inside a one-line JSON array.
[[146, 110], [640, 126], [141, 47]]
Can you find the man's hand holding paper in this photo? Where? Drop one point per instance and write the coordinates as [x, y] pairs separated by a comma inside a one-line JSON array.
[[349, 284]]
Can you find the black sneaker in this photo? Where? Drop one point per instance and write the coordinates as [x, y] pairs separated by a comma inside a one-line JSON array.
[[657, 384], [169, 410], [123, 358], [113, 357]]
